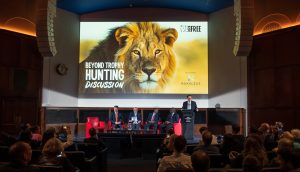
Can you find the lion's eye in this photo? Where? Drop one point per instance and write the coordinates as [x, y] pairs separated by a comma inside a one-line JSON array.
[[157, 52], [136, 52]]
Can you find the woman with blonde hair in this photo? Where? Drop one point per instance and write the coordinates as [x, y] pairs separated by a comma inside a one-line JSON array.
[[53, 155], [20, 155]]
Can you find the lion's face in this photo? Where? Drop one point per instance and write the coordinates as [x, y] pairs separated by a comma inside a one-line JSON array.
[[146, 51]]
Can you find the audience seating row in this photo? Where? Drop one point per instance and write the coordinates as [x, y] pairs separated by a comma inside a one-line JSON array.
[[274, 169], [85, 158]]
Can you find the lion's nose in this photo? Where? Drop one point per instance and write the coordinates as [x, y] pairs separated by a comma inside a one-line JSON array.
[[149, 71]]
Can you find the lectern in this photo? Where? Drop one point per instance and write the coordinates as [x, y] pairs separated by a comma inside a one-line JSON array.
[[188, 124]]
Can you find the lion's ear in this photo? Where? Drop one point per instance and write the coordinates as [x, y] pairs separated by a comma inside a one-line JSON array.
[[170, 36], [122, 35]]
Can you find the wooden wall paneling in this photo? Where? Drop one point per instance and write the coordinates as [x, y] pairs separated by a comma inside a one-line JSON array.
[[9, 116], [274, 78], [287, 51], [9, 48], [263, 92], [296, 85], [21, 80], [283, 95], [4, 80], [264, 52], [287, 116]]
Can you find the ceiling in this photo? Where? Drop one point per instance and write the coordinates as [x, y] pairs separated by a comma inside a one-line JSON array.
[[88, 6]]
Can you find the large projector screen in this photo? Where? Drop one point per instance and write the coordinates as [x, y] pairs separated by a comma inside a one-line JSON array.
[[143, 58]]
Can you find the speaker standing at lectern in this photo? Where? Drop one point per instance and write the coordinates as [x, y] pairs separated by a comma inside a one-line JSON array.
[[189, 108], [189, 104]]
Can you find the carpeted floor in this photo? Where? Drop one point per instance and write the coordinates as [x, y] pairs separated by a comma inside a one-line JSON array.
[[131, 165]]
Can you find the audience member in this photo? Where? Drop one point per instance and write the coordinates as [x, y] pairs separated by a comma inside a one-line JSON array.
[[163, 149], [20, 155], [284, 143], [200, 161], [48, 134], [51, 132], [6, 139], [214, 138], [232, 142], [207, 146], [289, 159], [296, 134], [25, 136], [252, 146], [251, 164], [36, 134], [177, 160], [53, 155], [94, 139], [287, 134]]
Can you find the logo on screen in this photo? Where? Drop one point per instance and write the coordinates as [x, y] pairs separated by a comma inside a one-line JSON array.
[[187, 28]]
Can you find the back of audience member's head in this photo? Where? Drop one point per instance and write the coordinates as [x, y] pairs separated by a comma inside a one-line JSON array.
[[48, 134], [200, 161], [24, 126], [257, 138], [235, 129], [92, 132], [202, 129], [253, 144], [284, 143], [53, 147], [289, 158], [25, 135], [207, 138], [170, 144], [287, 134], [35, 129], [251, 164], [296, 134], [264, 128], [20, 153], [179, 144], [253, 130], [170, 131]]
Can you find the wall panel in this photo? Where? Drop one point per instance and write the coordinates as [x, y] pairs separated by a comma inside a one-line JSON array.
[[274, 78]]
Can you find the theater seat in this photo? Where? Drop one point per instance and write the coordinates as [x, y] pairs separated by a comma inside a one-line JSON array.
[[79, 160], [178, 170], [177, 127], [216, 161], [4, 153], [50, 168]]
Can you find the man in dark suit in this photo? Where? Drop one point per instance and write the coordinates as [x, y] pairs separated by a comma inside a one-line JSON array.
[[152, 120], [135, 119], [116, 118], [190, 104], [173, 117]]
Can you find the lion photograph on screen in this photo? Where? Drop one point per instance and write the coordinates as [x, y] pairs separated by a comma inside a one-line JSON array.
[[145, 48]]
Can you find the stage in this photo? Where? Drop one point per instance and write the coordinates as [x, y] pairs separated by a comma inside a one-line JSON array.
[[129, 144]]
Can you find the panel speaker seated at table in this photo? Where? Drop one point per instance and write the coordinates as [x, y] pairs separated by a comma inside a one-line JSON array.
[[135, 119], [152, 121], [172, 118]]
